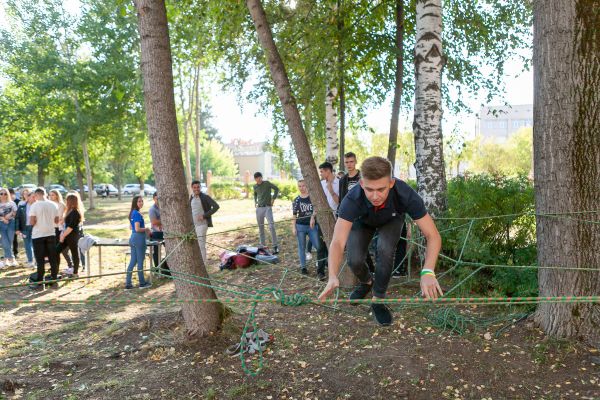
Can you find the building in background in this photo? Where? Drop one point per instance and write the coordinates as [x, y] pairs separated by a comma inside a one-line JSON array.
[[497, 123], [251, 156]]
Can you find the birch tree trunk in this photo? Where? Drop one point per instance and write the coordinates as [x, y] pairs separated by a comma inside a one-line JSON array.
[[427, 124], [331, 123], [176, 214], [341, 88], [566, 138], [292, 117], [88, 171], [398, 87]]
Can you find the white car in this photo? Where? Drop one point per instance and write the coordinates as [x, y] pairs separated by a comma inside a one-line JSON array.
[[133, 189]]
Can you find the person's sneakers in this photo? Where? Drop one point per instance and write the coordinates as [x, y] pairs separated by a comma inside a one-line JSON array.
[[30, 264], [308, 256], [12, 263], [360, 291], [36, 287], [145, 285], [68, 272], [304, 271], [2, 265], [128, 287], [381, 314], [275, 249], [321, 276]]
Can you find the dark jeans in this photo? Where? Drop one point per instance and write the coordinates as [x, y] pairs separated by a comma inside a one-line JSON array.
[[322, 254], [16, 246], [64, 250], [70, 243], [158, 236], [45, 247], [399, 261], [357, 248]]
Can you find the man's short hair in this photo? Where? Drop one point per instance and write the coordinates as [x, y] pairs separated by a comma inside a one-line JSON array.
[[41, 191], [374, 168], [326, 165], [350, 155], [257, 175], [195, 182], [11, 190], [155, 195]]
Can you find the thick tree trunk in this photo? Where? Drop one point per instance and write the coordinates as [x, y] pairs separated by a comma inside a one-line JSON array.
[[331, 127], [292, 117], [88, 171], [398, 87], [566, 134], [176, 215], [427, 125]]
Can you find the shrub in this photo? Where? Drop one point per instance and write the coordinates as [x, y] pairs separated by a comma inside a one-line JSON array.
[[225, 191], [508, 239], [288, 189]]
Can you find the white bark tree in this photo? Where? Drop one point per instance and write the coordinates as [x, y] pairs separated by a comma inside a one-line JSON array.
[[332, 146], [566, 138], [427, 124]]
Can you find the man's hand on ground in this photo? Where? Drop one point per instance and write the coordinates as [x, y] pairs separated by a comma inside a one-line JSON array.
[[430, 287], [332, 284]]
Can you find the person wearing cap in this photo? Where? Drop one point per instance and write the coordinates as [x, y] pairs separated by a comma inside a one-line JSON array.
[[378, 205]]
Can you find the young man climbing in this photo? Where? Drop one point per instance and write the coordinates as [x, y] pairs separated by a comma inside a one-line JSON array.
[[378, 204]]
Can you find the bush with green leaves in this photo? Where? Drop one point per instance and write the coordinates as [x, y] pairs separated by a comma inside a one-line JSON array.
[[508, 238], [225, 190], [288, 189]]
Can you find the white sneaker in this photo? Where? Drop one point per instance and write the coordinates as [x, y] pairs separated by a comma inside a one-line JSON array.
[[30, 264], [12, 263], [68, 271], [2, 265], [308, 256]]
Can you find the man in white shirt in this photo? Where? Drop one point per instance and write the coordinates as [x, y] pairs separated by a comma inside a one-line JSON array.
[[331, 186], [203, 207], [43, 215]]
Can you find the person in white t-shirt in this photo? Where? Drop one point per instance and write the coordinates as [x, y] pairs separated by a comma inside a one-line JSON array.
[[331, 186], [43, 216]]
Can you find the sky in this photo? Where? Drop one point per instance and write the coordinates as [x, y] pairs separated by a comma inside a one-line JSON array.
[[234, 122]]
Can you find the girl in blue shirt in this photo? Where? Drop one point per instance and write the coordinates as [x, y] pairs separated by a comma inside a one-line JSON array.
[[137, 243]]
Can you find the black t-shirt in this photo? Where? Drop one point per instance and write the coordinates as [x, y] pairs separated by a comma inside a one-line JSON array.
[[302, 209], [72, 220], [353, 181], [402, 199]]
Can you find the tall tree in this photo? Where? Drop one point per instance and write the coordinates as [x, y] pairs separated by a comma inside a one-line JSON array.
[[161, 117], [566, 137], [427, 125], [292, 117]]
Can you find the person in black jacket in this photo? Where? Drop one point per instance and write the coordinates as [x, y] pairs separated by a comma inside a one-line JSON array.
[[23, 229], [203, 207], [70, 236]]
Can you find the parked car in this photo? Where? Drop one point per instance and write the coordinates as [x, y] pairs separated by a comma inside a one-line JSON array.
[[29, 186], [149, 189], [100, 190], [131, 189], [63, 191]]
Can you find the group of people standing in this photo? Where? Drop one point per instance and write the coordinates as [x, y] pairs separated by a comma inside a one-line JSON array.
[[48, 227], [203, 207]]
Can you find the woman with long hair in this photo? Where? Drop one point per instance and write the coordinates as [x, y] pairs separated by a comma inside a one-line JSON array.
[[137, 243], [55, 196], [73, 221], [8, 211]]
